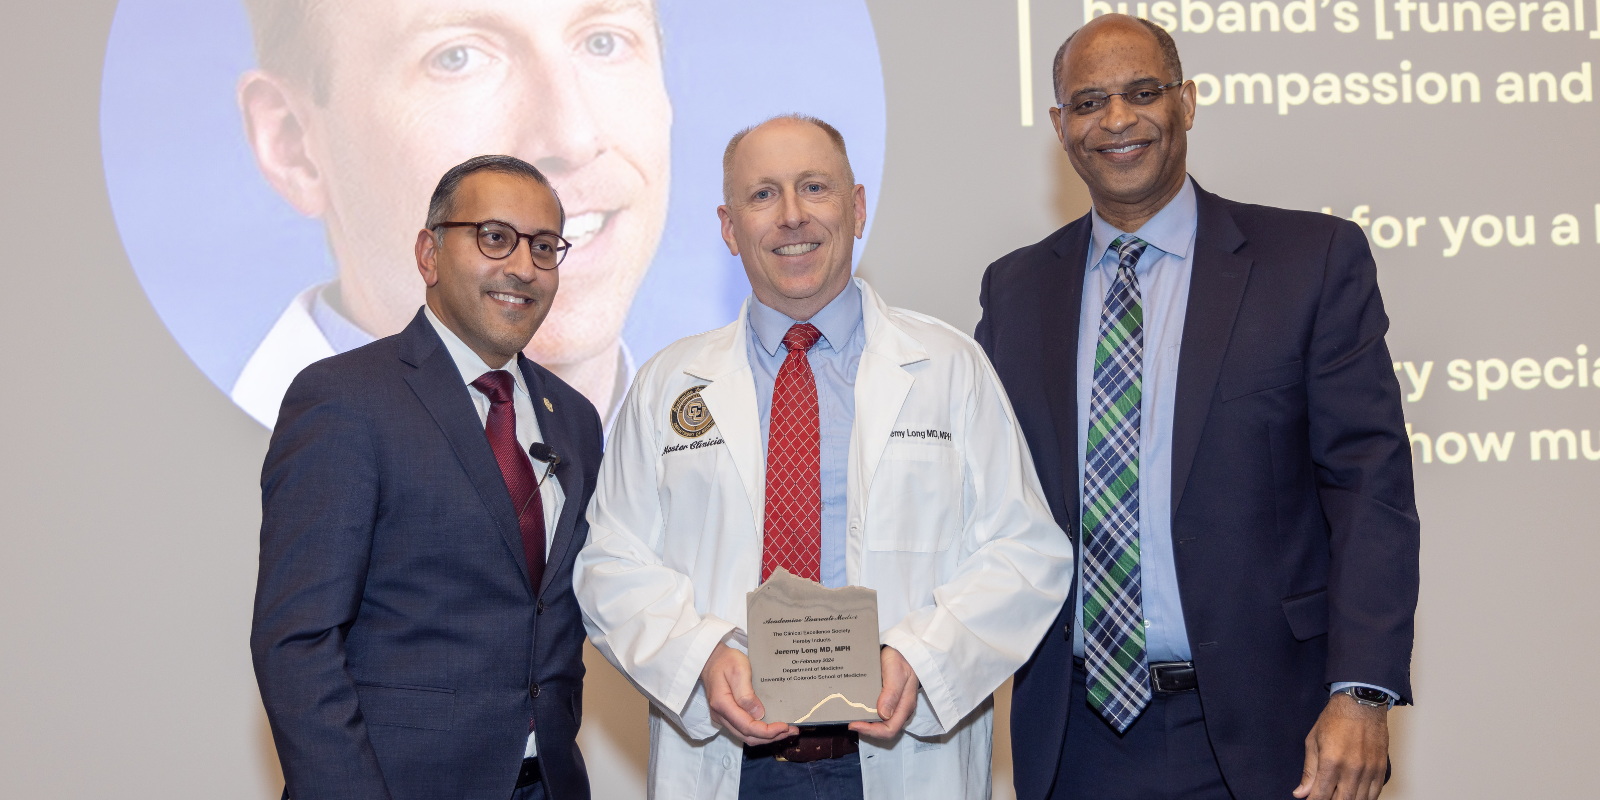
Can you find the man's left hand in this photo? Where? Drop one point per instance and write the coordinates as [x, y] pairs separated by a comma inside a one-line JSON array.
[[1347, 752], [897, 700]]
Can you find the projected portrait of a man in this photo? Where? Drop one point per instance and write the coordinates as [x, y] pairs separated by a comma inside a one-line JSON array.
[[304, 137], [358, 106]]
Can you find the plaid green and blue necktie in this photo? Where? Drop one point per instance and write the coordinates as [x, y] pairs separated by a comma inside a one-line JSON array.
[[1113, 611]]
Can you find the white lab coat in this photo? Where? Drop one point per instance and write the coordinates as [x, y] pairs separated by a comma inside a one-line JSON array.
[[953, 533]]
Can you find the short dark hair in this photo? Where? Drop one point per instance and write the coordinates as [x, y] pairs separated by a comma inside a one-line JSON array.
[[1169, 54], [443, 204], [733, 145]]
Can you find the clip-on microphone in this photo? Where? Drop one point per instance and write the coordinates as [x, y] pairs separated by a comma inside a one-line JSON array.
[[545, 453]]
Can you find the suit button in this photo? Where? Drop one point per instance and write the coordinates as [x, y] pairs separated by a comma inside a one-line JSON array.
[[533, 690], [539, 609]]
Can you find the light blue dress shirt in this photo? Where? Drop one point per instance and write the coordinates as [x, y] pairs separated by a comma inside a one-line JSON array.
[[833, 362], [1163, 272]]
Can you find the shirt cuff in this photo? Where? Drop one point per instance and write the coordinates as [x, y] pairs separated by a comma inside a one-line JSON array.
[[1341, 685]]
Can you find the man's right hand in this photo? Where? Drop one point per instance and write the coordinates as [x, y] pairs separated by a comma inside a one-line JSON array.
[[733, 702]]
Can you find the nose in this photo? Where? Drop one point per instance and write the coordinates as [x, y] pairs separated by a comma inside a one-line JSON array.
[[1118, 115], [557, 126], [794, 213], [519, 264]]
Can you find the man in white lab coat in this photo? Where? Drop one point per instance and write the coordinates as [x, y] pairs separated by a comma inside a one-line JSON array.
[[848, 442]]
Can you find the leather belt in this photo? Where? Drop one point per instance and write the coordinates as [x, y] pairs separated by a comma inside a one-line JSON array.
[[813, 744], [1165, 676], [530, 774]]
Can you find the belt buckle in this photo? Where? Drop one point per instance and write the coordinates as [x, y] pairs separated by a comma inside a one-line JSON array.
[[1160, 670]]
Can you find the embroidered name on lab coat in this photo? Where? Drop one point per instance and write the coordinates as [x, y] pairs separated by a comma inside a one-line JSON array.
[[673, 448], [927, 434]]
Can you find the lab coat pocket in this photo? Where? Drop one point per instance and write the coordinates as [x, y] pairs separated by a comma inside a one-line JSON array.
[[915, 501]]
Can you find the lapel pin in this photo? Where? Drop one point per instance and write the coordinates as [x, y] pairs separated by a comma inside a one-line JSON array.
[[548, 407]]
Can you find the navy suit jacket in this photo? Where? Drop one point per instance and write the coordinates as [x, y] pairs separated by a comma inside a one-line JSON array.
[[1294, 526], [398, 645]]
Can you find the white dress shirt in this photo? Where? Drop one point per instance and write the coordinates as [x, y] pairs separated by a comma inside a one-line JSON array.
[[472, 367]]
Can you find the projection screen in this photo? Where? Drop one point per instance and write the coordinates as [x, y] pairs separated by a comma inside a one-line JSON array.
[[181, 248]]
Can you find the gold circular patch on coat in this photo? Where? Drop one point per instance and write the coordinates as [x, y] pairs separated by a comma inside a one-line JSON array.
[[690, 417]]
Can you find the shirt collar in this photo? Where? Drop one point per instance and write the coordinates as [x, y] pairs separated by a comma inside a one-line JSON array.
[[342, 334], [837, 320], [469, 363], [1171, 230]]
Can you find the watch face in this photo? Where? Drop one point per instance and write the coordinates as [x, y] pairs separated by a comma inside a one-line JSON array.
[[1369, 695]]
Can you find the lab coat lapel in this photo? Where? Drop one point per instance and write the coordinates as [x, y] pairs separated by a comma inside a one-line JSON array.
[[882, 382], [882, 385], [437, 383], [1216, 289], [553, 430], [730, 396]]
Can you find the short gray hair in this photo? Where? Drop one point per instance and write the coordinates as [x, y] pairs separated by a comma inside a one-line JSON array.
[[1169, 55], [443, 204], [733, 145]]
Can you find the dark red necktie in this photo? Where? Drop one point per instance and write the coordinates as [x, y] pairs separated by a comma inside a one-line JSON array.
[[515, 468], [793, 537]]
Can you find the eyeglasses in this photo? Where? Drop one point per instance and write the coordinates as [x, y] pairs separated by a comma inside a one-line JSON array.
[[1086, 103], [498, 240]]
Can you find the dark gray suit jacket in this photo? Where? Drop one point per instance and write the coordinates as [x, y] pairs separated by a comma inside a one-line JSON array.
[[1294, 526], [399, 648]]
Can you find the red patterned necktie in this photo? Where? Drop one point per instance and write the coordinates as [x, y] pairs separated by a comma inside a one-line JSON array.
[[794, 465], [515, 468]]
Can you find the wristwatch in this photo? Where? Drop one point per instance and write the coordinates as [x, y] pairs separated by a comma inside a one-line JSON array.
[[1368, 696]]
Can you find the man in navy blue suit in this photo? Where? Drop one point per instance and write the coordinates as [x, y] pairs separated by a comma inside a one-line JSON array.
[[415, 631], [1211, 407]]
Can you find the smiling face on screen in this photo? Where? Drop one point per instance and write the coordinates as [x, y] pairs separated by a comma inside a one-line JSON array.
[[409, 88]]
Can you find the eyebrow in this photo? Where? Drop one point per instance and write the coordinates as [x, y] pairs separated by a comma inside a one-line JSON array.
[[806, 175], [1130, 85], [614, 6], [534, 232], [478, 18]]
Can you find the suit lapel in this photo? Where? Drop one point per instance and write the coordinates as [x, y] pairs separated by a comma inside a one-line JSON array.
[[437, 383], [1061, 305], [569, 473], [1216, 288]]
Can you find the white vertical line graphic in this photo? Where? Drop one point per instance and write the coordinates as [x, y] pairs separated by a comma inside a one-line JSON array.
[[1025, 59]]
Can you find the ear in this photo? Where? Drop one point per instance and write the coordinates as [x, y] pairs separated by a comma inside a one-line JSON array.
[[1188, 95], [726, 215], [861, 210], [276, 120], [428, 257], [1056, 122]]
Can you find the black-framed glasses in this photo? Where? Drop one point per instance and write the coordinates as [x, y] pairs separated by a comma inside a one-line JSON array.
[[1085, 103], [498, 240]]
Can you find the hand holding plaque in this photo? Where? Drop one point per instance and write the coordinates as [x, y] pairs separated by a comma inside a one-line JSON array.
[[814, 651]]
